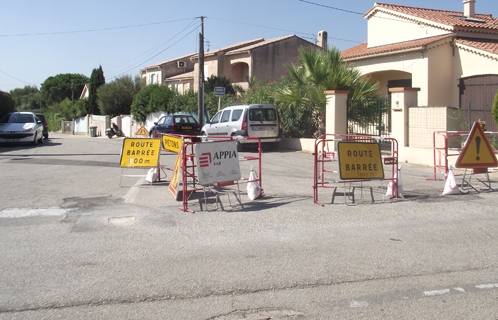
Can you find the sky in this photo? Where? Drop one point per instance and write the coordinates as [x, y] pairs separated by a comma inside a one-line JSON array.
[[40, 39]]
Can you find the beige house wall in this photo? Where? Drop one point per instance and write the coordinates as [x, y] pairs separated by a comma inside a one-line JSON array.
[[440, 88], [268, 62], [414, 63], [211, 66], [238, 67], [157, 73], [471, 64], [384, 29], [167, 69]]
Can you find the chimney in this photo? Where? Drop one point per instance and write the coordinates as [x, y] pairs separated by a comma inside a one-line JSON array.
[[469, 8], [322, 39]]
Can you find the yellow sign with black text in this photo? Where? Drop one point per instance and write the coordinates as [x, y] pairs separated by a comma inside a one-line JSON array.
[[360, 160], [140, 152], [175, 179], [171, 143]]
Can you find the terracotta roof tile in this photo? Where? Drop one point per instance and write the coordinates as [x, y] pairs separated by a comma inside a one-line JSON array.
[[362, 49], [450, 18], [482, 44]]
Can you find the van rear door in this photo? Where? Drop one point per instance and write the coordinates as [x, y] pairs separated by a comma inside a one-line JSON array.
[[262, 122]]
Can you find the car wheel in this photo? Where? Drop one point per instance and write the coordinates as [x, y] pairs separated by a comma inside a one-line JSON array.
[[203, 136], [239, 145], [41, 139], [35, 140]]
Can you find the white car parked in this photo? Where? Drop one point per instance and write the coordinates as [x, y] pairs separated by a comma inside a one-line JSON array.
[[21, 127], [255, 120]]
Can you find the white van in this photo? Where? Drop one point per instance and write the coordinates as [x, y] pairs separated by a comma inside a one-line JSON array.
[[255, 120]]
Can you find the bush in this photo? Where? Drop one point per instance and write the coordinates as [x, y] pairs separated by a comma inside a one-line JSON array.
[[300, 121], [494, 109], [6, 103]]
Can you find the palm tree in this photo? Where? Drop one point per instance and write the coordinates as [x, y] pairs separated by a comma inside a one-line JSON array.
[[319, 70]]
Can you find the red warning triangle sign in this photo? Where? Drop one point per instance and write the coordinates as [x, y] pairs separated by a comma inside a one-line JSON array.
[[477, 151], [142, 132]]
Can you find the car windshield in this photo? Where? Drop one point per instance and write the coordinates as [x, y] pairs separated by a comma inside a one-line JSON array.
[[17, 118]]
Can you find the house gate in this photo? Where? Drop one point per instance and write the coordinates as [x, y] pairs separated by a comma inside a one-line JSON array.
[[476, 99], [370, 117]]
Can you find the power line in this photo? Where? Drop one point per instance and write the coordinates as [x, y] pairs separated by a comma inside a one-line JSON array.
[[150, 51], [152, 57], [266, 27], [329, 7], [354, 12], [15, 78], [310, 35], [90, 30]]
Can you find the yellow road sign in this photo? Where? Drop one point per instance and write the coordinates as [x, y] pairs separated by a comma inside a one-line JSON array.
[[477, 151], [142, 132], [140, 152], [174, 183], [172, 143], [360, 160]]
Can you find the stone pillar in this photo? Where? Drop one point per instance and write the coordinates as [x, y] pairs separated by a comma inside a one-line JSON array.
[[336, 113], [401, 100]]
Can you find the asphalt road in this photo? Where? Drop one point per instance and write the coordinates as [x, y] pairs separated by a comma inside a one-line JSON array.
[[78, 240]]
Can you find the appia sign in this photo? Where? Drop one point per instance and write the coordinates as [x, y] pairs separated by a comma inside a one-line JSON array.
[[217, 162]]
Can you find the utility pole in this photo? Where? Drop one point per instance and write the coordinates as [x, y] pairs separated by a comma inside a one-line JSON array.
[[72, 93], [200, 109]]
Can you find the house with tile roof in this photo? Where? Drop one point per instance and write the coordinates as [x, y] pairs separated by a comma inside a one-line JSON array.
[[449, 58], [260, 58]]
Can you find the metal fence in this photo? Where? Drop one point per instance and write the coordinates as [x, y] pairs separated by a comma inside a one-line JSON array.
[[369, 117], [67, 127]]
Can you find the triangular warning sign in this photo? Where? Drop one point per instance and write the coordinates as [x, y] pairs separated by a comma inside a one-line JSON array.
[[477, 152], [142, 132]]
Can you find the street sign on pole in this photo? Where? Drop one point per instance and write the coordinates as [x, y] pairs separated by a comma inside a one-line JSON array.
[[219, 91]]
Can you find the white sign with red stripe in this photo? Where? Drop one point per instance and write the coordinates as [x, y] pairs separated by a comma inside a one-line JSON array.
[[217, 162]]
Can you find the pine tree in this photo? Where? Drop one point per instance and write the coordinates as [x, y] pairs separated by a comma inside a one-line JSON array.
[[96, 80]]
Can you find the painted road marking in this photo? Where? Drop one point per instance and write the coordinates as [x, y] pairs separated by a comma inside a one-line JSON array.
[[22, 213], [358, 304], [131, 195], [364, 302], [487, 286], [436, 292]]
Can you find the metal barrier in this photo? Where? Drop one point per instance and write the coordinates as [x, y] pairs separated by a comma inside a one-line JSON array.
[[322, 156], [187, 169], [442, 151]]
